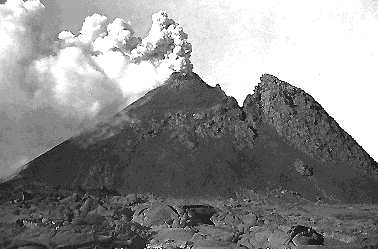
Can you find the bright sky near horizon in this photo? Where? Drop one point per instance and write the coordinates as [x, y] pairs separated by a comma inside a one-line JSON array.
[[327, 48]]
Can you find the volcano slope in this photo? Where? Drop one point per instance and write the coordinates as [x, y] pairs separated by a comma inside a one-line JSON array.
[[188, 139]]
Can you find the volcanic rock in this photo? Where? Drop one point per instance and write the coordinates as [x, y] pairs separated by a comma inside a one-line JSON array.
[[303, 169], [185, 166], [234, 224], [187, 139]]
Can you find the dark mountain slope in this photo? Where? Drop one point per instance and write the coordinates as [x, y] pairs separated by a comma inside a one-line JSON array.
[[303, 123], [189, 139], [180, 93], [341, 167]]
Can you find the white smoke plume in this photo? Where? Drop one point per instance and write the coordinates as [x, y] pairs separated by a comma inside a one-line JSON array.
[[52, 85]]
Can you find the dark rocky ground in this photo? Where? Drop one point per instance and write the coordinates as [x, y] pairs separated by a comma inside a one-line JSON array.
[[296, 177], [41, 216]]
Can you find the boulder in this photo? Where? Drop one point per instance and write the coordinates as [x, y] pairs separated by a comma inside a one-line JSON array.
[[303, 235], [198, 214], [219, 233], [88, 205], [69, 199], [98, 210], [158, 213], [302, 168]]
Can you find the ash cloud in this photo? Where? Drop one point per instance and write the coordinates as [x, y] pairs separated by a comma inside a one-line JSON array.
[[53, 85]]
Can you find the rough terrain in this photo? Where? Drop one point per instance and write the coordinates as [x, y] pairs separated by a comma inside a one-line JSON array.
[[41, 216], [277, 172], [187, 139]]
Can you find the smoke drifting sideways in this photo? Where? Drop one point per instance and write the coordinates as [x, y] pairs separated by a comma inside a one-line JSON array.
[[53, 85]]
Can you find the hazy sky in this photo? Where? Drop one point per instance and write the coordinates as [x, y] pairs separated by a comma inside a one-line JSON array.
[[327, 48]]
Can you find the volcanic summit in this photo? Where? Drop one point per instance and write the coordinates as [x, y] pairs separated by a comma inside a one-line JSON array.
[[188, 139]]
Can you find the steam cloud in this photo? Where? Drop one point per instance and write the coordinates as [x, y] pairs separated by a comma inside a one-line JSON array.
[[54, 85]]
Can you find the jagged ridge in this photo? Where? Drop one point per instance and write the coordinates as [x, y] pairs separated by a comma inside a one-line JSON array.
[[302, 122]]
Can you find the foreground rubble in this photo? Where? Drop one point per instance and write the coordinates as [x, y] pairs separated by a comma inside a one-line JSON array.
[[39, 216]]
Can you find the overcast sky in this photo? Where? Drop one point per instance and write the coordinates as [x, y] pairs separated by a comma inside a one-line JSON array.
[[327, 48]]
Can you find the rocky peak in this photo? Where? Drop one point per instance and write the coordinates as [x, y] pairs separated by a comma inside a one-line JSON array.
[[187, 139], [302, 122]]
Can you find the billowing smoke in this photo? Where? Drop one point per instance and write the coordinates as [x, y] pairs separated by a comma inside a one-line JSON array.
[[52, 85]]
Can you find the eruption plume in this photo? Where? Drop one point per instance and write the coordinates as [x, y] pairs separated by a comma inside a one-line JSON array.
[[54, 85]]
